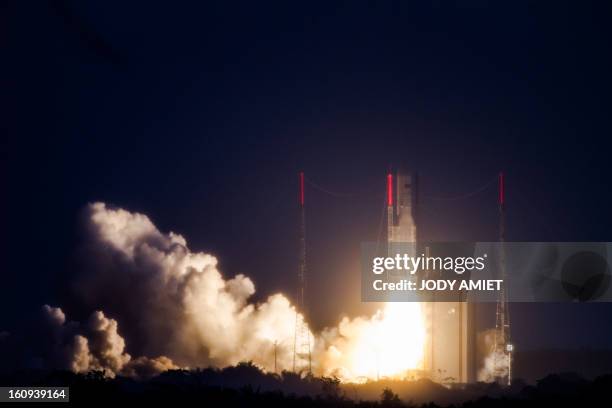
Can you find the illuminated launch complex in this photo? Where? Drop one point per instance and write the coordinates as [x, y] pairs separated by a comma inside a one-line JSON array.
[[449, 351]]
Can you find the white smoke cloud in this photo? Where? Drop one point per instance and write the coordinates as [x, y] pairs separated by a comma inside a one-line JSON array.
[[495, 364], [94, 346], [175, 303]]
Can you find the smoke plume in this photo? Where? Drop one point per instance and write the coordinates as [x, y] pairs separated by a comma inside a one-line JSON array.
[[174, 303], [95, 345], [495, 364]]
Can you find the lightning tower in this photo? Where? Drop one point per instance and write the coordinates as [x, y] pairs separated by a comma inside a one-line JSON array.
[[503, 348], [301, 340]]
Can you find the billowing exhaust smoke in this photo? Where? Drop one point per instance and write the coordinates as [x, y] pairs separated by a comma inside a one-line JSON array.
[[95, 345], [175, 303]]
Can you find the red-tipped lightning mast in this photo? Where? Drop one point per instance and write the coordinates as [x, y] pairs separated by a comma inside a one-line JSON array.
[[389, 207], [502, 191], [390, 190], [301, 178], [301, 340], [502, 342]]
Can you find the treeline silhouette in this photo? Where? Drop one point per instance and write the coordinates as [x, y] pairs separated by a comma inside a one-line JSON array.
[[246, 385]]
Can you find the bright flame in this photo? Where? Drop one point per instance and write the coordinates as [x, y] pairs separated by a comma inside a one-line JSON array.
[[394, 343], [388, 345]]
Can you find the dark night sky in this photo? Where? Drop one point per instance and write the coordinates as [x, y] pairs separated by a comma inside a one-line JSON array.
[[200, 116]]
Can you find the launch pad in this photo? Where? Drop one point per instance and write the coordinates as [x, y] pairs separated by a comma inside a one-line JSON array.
[[434, 330]]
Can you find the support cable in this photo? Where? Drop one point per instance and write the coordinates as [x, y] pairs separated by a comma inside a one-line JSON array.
[[461, 196], [335, 193]]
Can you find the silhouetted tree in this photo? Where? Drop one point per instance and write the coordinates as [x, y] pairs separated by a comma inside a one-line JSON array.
[[390, 399]]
